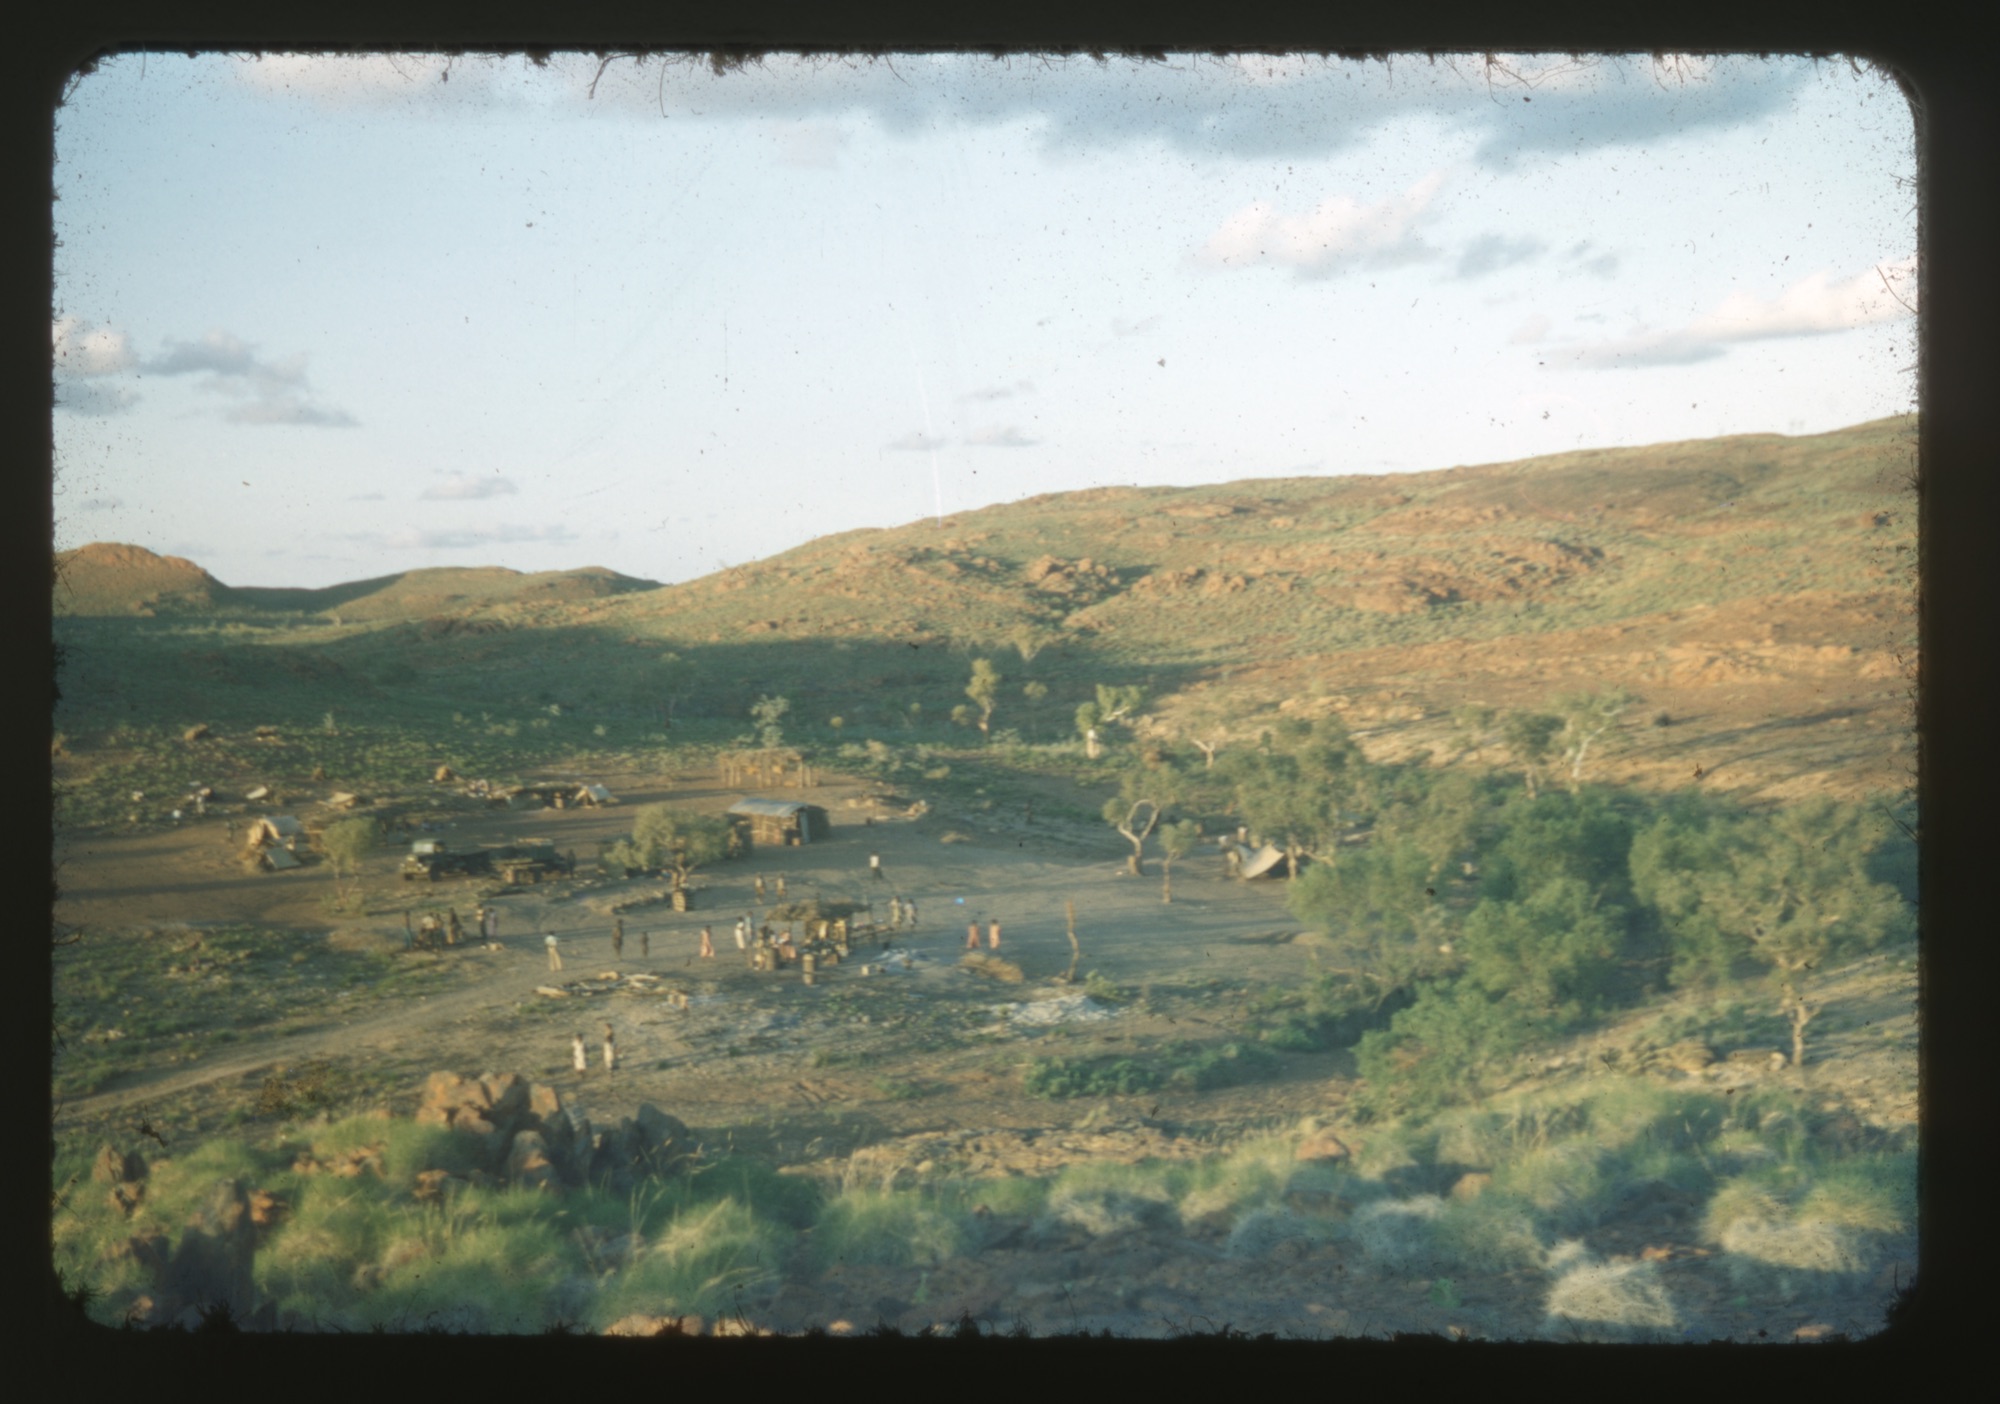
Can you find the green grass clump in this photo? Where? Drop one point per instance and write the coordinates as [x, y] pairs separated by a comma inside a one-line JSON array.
[[1187, 1067], [701, 1261], [896, 1228], [1104, 1199]]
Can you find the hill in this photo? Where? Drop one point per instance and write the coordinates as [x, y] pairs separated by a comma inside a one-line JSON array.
[[1754, 593], [110, 579]]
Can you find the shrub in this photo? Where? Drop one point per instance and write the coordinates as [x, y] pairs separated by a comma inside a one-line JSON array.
[[1262, 1231], [1400, 1233], [896, 1228], [1106, 1199], [1598, 1301]]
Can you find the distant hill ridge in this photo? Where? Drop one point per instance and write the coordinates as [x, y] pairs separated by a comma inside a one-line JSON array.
[[111, 578]]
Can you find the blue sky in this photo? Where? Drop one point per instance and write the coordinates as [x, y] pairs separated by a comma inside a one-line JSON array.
[[323, 319]]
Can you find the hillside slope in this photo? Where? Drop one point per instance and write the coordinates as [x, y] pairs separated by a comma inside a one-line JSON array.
[[1755, 594]]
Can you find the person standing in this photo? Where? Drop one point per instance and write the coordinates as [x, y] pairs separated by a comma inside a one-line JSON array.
[[453, 931], [555, 954], [910, 913], [993, 935], [760, 887], [579, 1055], [493, 925], [610, 1051], [875, 865], [895, 913], [707, 943], [781, 885], [972, 936], [409, 933], [618, 939], [645, 945], [742, 933]]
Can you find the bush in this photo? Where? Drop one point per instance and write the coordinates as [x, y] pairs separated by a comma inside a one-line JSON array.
[[1434, 1052], [1262, 1231], [1400, 1234], [896, 1228], [1107, 1199], [1597, 1301]]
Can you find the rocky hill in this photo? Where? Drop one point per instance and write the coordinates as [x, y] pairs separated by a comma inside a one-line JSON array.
[[111, 579]]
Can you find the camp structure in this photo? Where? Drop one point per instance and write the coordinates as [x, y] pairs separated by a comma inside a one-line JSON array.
[[1256, 862], [340, 799], [593, 794], [277, 831], [275, 859], [783, 823]]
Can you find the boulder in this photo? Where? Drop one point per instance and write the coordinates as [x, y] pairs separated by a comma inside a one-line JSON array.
[[544, 1102], [1471, 1186], [484, 1135], [658, 1140], [504, 1089], [528, 1162], [446, 1090], [1688, 1056], [1322, 1145]]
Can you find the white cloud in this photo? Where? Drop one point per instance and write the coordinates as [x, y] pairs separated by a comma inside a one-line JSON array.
[[1000, 436], [272, 390], [1816, 305], [1530, 331], [916, 442], [85, 350], [1339, 231], [465, 486]]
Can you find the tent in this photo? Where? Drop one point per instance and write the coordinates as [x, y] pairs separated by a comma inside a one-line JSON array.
[[1260, 862], [595, 794], [277, 859], [277, 831]]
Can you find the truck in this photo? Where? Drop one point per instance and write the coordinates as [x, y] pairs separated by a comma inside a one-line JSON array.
[[431, 859], [531, 860]]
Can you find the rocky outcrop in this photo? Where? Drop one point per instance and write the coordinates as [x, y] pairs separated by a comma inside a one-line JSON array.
[[521, 1133]]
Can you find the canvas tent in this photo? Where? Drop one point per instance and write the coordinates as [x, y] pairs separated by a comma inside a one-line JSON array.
[[593, 794], [784, 823], [276, 860], [277, 831], [1258, 862]]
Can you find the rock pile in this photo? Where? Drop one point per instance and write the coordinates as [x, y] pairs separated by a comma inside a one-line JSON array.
[[520, 1132]]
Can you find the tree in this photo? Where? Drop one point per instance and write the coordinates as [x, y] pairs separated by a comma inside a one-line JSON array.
[[1302, 789], [766, 712], [1552, 952], [1798, 892], [665, 837], [345, 845], [1530, 738], [1586, 716], [984, 690], [1114, 706], [1177, 840], [1029, 640], [1375, 903], [1144, 792]]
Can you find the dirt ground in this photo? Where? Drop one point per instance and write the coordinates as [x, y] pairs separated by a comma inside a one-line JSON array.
[[914, 1065]]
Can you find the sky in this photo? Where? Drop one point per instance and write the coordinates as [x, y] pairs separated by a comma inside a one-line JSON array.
[[322, 319]]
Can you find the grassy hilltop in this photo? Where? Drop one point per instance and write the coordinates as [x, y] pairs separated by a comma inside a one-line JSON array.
[[1755, 590]]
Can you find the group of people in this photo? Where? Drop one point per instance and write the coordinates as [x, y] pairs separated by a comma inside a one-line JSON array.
[[435, 929], [992, 935]]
